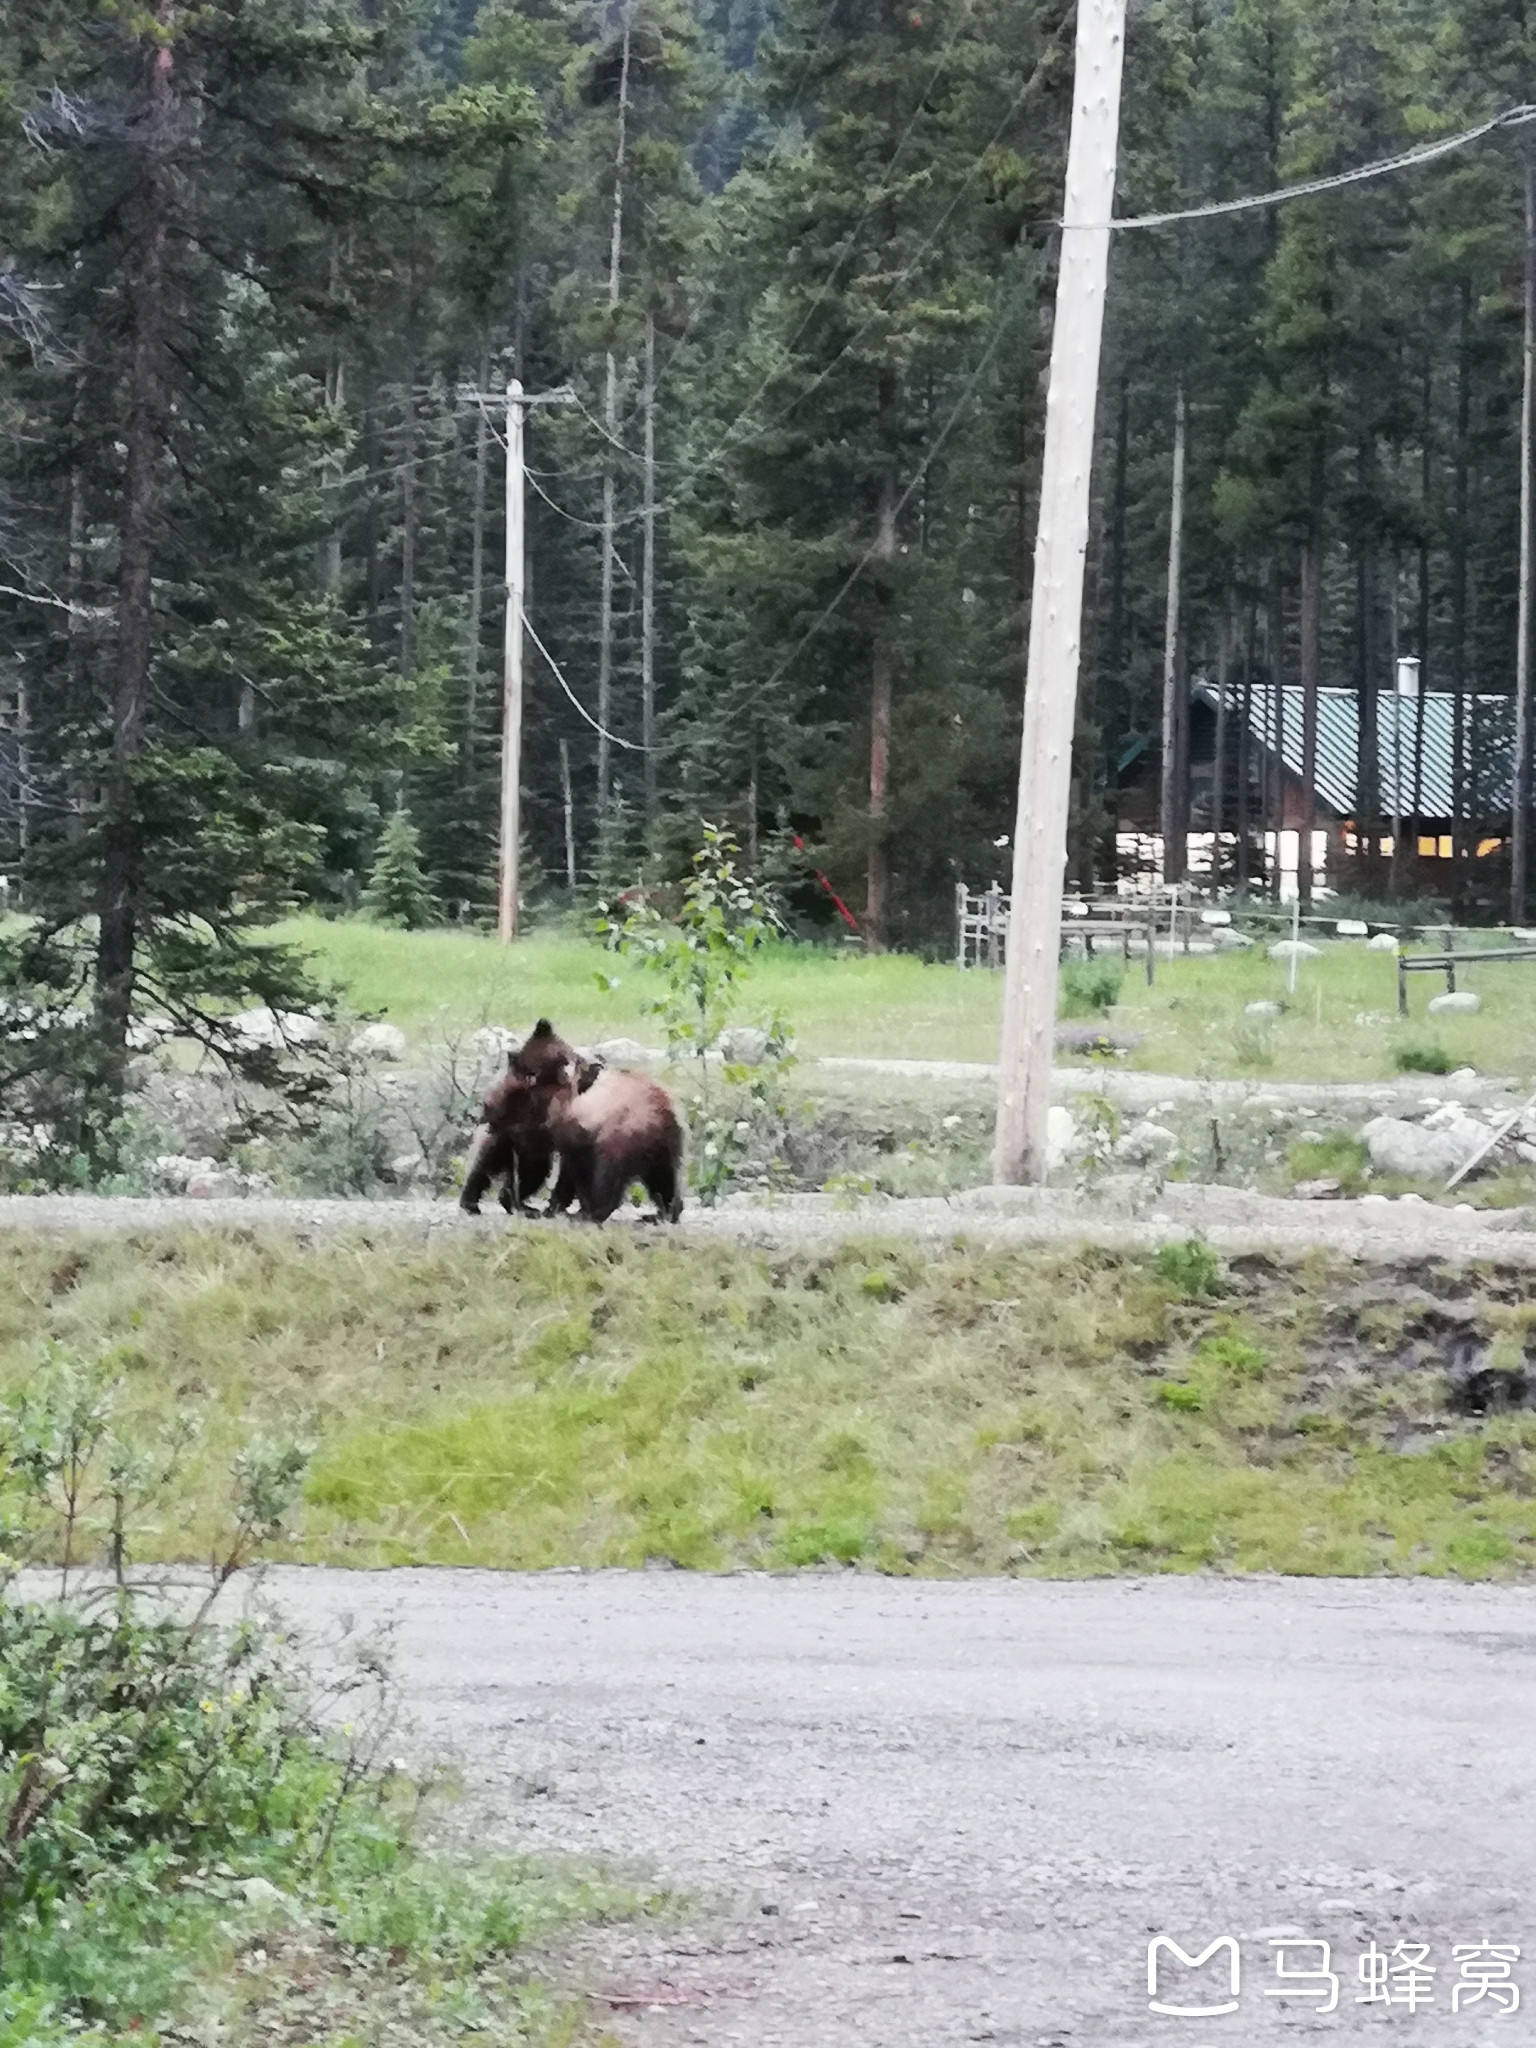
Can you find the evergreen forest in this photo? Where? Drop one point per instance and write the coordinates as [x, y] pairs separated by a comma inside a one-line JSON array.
[[777, 277]]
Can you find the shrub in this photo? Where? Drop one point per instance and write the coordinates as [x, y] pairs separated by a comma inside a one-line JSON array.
[[1191, 1267], [1421, 1056], [1089, 987]]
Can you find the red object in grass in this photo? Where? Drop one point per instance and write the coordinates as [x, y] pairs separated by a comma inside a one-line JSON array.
[[847, 915]]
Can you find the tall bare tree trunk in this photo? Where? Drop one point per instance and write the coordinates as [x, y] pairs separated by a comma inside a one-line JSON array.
[[611, 422], [1174, 815], [408, 520], [145, 436], [1459, 555], [1245, 756], [1275, 808], [1311, 670], [880, 692], [1520, 797], [1219, 764]]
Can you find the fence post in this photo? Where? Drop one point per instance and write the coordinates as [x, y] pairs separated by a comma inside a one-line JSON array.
[[1402, 987], [1450, 959], [961, 895]]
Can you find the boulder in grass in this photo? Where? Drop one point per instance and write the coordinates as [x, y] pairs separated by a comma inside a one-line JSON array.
[[1418, 1152], [277, 1029], [1294, 949], [1262, 1009], [1384, 942], [1351, 928], [1147, 1144], [744, 1045], [1464, 1002], [624, 1052], [380, 1042]]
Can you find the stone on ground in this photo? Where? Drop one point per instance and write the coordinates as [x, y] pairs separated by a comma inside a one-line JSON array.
[[1465, 1002], [380, 1042], [1294, 949], [1420, 1152]]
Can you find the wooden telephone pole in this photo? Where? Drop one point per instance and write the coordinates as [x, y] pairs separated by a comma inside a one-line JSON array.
[[1056, 608], [518, 402]]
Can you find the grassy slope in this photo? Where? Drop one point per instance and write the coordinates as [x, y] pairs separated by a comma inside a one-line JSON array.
[[905, 1008], [565, 1397]]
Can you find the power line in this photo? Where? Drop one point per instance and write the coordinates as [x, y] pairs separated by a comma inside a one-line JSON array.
[[631, 745], [1407, 159]]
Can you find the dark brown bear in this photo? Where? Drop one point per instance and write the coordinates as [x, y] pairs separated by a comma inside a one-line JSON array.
[[616, 1129], [512, 1143]]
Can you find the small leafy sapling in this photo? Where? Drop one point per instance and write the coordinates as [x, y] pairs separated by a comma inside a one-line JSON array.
[[702, 954]]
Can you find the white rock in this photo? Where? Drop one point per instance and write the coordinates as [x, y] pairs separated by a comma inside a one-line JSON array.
[[1375, 1201], [744, 1045], [617, 1050], [1060, 1131], [278, 1029], [1373, 1020], [1224, 938], [1464, 1003], [1294, 949], [1351, 928], [1420, 1153], [173, 1170], [1146, 1144], [1215, 917], [380, 1042], [495, 1041], [1463, 1074], [1411, 1198], [406, 1165], [145, 1033], [214, 1187], [1383, 942], [1262, 1009]]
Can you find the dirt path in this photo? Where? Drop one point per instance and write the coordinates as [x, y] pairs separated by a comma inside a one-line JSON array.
[[1126, 1212], [935, 1814]]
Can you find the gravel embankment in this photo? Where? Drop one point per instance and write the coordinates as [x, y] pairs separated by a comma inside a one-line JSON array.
[[1126, 1214]]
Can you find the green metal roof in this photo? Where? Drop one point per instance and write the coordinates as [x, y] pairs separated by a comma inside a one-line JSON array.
[[1489, 743]]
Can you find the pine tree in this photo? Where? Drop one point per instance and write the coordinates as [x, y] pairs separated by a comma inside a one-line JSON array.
[[397, 891]]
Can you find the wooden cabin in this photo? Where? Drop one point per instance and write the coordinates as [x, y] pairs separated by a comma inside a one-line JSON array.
[[1262, 791]]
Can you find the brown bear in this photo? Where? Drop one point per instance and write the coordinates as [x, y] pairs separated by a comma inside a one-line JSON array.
[[512, 1143], [612, 1128]]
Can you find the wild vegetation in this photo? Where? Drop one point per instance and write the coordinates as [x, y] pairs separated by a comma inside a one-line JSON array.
[[200, 1833], [265, 272], [564, 1398]]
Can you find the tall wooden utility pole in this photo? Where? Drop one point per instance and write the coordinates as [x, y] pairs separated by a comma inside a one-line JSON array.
[[611, 423], [1175, 795], [1520, 791], [512, 678], [518, 402], [1056, 608]]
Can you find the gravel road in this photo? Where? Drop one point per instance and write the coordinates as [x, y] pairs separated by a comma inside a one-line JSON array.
[[925, 1814], [1128, 1212]]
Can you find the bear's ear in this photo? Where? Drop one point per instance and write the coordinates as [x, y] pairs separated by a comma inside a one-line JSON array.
[[543, 1029]]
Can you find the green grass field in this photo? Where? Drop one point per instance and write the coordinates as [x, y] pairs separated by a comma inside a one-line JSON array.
[[898, 1007], [566, 1397]]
